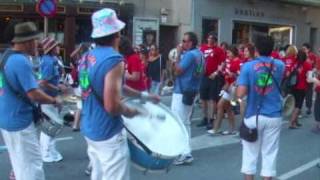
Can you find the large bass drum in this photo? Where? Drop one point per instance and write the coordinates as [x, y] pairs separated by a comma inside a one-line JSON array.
[[156, 137]]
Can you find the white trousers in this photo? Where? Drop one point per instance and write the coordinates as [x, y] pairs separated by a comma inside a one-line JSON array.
[[109, 158], [267, 143], [24, 151], [185, 113]]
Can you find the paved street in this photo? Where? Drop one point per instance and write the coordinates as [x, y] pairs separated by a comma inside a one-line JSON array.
[[216, 157]]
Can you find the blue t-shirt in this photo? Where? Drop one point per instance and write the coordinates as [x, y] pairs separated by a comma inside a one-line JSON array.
[[96, 123], [254, 75], [192, 65], [50, 72], [16, 114]]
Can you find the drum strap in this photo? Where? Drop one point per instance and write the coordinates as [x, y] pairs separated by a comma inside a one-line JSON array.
[[144, 147], [100, 100]]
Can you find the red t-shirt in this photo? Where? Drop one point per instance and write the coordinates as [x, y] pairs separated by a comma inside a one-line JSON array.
[[302, 75], [275, 55], [232, 70], [214, 56], [312, 58], [290, 63], [134, 64]]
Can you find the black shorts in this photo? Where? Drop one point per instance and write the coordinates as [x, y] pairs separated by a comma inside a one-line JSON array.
[[299, 96], [210, 89]]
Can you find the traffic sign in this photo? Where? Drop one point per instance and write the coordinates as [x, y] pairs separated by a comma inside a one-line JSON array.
[[47, 8]]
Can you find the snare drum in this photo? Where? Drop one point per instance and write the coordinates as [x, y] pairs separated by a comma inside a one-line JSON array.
[[159, 130], [52, 124]]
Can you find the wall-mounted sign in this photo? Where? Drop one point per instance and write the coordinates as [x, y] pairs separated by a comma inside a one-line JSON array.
[[61, 9], [11, 8], [249, 12], [47, 8], [145, 31], [86, 10]]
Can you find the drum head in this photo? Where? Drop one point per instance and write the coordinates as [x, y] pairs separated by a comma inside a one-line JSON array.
[[157, 127], [288, 105]]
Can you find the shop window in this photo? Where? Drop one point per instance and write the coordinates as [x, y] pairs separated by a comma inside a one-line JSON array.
[[245, 32], [209, 25]]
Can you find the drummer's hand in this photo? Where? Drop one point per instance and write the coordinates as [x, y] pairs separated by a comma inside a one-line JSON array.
[[58, 103], [63, 88], [152, 97], [131, 112]]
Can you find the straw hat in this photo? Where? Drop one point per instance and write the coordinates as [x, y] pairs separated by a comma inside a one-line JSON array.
[[25, 32], [48, 44]]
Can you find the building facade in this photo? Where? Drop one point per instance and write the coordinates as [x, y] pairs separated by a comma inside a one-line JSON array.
[[164, 21]]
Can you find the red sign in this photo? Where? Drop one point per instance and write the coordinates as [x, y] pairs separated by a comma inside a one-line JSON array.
[[47, 8]]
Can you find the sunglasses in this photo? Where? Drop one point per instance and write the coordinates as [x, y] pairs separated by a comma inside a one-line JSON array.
[[185, 41]]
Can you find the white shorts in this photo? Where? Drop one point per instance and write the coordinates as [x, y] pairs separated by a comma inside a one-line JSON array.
[[226, 95]]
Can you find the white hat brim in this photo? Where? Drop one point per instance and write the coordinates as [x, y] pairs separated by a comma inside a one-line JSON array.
[[121, 25]]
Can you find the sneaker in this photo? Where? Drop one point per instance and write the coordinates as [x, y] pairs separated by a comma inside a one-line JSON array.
[[88, 171], [226, 133], [204, 122], [213, 132], [53, 156], [183, 160]]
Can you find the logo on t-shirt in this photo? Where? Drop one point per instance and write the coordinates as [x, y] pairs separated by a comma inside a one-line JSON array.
[[264, 82], [1, 84]]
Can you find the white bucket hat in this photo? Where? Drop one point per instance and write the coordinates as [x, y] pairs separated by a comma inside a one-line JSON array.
[[105, 22]]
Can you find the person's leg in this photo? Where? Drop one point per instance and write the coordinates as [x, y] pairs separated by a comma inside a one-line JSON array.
[[220, 115], [24, 152], [184, 113], [204, 96], [114, 157], [299, 98], [231, 117], [180, 109], [317, 114], [48, 148], [294, 118], [309, 96], [270, 146], [250, 151], [76, 122]]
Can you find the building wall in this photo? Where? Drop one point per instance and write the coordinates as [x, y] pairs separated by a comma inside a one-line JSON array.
[[313, 22], [274, 13]]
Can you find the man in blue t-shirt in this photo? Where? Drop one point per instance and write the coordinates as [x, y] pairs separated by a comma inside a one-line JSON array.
[[188, 70], [17, 118], [259, 80], [101, 73]]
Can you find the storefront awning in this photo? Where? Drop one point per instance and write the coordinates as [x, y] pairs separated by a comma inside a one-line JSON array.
[[304, 2]]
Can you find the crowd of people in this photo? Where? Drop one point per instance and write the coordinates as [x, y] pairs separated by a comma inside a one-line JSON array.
[[223, 76]]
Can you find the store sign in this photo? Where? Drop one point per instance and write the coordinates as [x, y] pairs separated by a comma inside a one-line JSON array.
[[249, 12], [61, 9], [86, 10], [11, 8]]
